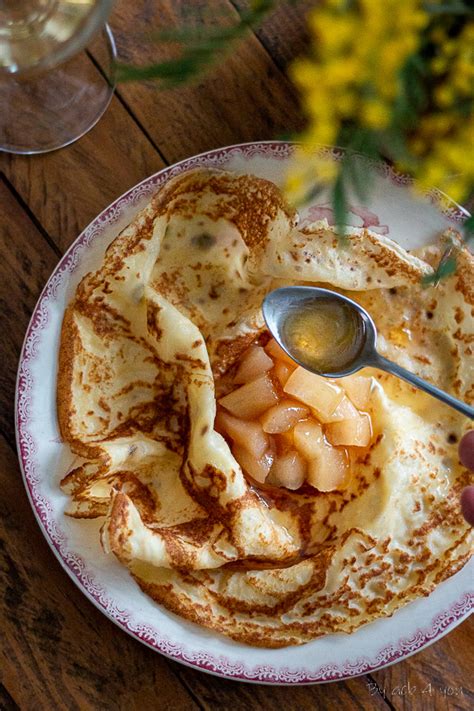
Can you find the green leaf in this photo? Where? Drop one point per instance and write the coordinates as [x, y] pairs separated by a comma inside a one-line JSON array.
[[448, 263], [394, 147], [171, 72], [451, 7], [412, 95], [445, 269], [468, 228], [261, 5], [357, 141], [339, 206], [357, 176], [313, 192]]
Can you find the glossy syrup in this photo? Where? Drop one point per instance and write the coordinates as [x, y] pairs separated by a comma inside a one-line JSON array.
[[327, 335]]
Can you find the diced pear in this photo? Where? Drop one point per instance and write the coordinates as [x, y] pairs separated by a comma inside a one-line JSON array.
[[358, 389], [316, 392], [288, 470], [328, 467], [344, 411], [284, 441], [257, 468], [356, 432], [252, 399], [307, 437], [283, 416], [277, 352], [330, 470], [283, 371], [254, 362], [243, 433]]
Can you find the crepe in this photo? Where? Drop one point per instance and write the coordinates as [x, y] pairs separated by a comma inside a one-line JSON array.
[[144, 342]]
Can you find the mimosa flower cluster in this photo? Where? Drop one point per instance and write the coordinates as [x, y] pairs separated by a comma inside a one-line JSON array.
[[391, 79]]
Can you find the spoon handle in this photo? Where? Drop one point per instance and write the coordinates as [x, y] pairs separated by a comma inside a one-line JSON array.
[[389, 367]]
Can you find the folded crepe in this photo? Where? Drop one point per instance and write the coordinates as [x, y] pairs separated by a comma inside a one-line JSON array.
[[144, 342]]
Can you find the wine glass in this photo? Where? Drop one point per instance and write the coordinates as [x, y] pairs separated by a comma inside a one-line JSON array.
[[51, 92]]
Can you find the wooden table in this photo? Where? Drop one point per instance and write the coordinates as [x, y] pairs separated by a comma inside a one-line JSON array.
[[58, 651]]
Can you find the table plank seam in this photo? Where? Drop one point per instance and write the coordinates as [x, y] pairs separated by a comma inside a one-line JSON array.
[[7, 702], [380, 692], [31, 215], [127, 108], [178, 673], [254, 33]]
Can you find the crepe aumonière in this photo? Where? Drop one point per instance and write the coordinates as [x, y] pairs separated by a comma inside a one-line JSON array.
[[163, 322]]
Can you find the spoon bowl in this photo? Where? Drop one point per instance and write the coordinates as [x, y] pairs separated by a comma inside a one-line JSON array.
[[282, 306]]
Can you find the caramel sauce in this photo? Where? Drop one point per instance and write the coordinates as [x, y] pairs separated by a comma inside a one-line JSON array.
[[327, 336]]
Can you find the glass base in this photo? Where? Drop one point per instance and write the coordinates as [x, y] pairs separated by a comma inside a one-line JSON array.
[[53, 109]]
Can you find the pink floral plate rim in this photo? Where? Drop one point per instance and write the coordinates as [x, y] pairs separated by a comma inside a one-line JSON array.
[[76, 566]]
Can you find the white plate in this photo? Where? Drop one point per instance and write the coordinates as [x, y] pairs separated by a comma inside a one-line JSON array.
[[44, 460]]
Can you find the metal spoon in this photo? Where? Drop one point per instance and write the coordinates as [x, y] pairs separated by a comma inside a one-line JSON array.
[[283, 303]]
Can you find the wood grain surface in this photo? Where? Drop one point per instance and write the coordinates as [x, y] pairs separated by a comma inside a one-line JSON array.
[[58, 651]]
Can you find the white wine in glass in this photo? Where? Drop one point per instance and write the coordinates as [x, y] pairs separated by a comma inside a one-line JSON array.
[[51, 92]]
